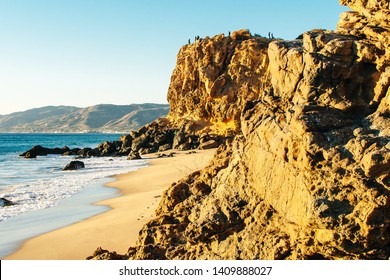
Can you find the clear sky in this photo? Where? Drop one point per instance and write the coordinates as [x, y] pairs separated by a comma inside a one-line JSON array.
[[87, 52]]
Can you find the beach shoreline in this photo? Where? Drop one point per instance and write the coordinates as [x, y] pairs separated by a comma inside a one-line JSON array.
[[117, 229], [15, 231]]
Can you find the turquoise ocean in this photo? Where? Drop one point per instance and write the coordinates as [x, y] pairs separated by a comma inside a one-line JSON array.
[[39, 187]]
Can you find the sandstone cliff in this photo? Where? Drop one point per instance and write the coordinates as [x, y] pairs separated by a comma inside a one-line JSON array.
[[307, 175], [213, 79]]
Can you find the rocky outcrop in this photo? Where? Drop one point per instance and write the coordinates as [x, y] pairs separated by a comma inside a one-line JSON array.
[[213, 79], [157, 136], [38, 150], [307, 175]]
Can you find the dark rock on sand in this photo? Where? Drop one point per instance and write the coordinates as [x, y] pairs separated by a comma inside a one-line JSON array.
[[5, 202], [74, 165]]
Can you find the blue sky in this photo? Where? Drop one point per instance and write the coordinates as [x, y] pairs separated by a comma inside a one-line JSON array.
[[87, 52]]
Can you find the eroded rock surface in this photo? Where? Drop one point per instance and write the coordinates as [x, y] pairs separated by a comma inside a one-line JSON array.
[[307, 175], [214, 77]]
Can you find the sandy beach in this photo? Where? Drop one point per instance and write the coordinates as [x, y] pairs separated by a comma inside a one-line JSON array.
[[116, 229]]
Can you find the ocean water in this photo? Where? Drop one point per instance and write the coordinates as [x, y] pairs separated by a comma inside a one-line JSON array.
[[35, 184]]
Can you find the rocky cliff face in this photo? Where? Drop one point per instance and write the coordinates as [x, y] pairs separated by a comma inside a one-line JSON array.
[[213, 79], [308, 173]]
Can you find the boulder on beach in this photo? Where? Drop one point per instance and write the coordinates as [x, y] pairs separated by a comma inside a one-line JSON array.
[[74, 165], [5, 202]]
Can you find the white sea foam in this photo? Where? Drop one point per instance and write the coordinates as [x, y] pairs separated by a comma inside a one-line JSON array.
[[50, 184]]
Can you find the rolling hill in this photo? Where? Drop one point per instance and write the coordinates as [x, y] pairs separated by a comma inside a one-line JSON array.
[[105, 118]]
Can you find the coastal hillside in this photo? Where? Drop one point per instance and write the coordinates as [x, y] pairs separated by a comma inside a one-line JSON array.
[[306, 173], [103, 118]]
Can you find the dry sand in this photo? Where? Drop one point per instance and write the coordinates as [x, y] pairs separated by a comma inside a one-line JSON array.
[[116, 229]]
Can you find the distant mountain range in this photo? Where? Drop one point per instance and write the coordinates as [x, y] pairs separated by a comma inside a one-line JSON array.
[[105, 118]]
